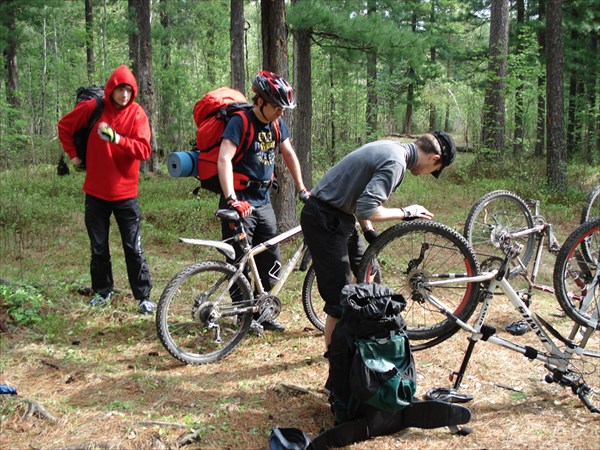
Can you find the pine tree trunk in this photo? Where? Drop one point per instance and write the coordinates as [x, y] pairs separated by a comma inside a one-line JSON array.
[[236, 42], [275, 59], [557, 155], [303, 113]]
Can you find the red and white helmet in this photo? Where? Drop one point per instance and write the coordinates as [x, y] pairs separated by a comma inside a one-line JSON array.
[[274, 89]]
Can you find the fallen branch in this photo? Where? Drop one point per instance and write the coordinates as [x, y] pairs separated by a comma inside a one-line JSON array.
[[38, 410], [162, 424], [86, 446], [188, 438]]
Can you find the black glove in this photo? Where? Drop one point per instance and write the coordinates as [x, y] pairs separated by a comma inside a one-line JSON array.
[[370, 235]]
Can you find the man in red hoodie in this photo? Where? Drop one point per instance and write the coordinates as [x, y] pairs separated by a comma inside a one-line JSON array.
[[116, 145]]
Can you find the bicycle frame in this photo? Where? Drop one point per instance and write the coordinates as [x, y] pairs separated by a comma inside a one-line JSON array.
[[554, 358], [280, 273], [542, 230]]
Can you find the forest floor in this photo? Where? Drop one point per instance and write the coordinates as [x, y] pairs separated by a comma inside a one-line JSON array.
[[104, 380]]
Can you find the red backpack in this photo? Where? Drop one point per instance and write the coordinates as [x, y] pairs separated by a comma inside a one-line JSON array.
[[211, 114]]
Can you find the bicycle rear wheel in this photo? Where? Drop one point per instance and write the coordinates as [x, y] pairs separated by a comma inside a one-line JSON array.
[[313, 303], [197, 320], [495, 213], [427, 251], [591, 208], [577, 277]]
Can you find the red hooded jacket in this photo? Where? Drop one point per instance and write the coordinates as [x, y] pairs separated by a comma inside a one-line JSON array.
[[112, 170]]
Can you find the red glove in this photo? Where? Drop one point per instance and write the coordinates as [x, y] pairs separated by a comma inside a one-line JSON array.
[[242, 207]]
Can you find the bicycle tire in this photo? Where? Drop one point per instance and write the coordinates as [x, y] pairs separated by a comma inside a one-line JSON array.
[[310, 293], [313, 308], [493, 214], [425, 249], [186, 304], [591, 207], [576, 276]]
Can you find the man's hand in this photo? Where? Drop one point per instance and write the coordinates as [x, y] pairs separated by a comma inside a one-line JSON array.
[[416, 212], [242, 207], [370, 235], [107, 134], [304, 195]]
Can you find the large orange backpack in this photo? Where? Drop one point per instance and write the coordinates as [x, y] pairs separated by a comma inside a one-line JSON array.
[[211, 114]]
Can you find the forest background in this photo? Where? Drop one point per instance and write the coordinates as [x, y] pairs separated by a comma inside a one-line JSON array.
[[515, 82]]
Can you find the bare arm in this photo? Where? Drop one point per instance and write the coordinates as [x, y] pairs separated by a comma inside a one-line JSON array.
[[292, 163], [382, 214], [225, 167]]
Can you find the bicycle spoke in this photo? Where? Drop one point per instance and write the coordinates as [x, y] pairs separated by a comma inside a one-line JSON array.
[[200, 319], [408, 254]]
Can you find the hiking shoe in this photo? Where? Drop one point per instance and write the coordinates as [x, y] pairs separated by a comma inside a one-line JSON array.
[[272, 325], [146, 307], [518, 328], [99, 301]]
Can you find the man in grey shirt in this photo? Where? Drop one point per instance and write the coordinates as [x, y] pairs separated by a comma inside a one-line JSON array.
[[356, 188]]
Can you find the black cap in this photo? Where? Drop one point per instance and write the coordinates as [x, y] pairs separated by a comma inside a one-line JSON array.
[[448, 150]]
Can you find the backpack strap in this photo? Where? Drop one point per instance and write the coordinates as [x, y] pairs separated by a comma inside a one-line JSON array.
[[420, 414], [247, 136], [342, 435]]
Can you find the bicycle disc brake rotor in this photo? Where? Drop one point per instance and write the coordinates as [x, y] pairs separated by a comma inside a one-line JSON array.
[[496, 235]]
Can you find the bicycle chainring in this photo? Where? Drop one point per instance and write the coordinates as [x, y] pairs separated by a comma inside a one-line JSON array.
[[269, 308]]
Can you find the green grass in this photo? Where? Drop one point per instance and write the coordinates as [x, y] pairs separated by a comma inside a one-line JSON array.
[[110, 359]]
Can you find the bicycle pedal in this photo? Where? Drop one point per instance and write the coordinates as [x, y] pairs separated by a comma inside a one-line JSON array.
[[256, 328]]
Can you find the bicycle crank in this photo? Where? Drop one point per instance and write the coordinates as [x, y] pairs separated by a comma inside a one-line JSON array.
[[269, 308]]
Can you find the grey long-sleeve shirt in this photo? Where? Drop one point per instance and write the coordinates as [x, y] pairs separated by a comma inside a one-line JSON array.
[[364, 179]]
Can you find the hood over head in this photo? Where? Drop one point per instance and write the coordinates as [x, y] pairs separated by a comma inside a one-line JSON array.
[[121, 75]]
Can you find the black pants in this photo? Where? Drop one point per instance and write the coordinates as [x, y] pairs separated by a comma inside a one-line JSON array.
[[260, 226], [97, 221], [336, 249]]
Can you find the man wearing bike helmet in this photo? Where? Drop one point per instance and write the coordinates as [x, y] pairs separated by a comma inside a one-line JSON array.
[[273, 94], [356, 188]]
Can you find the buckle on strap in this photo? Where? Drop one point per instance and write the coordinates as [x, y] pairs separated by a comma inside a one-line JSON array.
[[256, 183]]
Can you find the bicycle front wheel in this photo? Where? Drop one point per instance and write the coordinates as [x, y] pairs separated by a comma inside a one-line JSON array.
[[577, 277], [425, 251], [199, 319], [494, 214]]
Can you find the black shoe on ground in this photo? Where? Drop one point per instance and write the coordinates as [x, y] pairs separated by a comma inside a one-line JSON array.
[[272, 325], [517, 328]]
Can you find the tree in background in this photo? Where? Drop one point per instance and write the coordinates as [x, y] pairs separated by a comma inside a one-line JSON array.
[[89, 39], [557, 154], [302, 132], [236, 43], [142, 62], [275, 59], [493, 126]]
